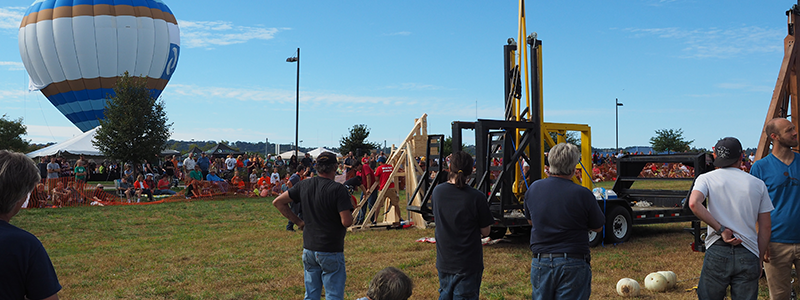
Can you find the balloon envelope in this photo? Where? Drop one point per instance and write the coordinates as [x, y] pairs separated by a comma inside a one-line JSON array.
[[76, 50]]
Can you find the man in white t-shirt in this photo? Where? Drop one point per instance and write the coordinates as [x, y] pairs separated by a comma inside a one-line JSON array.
[[737, 203], [188, 164], [230, 163]]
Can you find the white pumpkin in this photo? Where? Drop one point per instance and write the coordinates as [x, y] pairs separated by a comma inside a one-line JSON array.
[[672, 279], [655, 282], [627, 287]]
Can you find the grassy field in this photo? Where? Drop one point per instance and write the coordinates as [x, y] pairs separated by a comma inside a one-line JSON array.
[[238, 249]]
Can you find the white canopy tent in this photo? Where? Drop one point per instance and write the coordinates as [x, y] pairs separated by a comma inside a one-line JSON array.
[[316, 152], [81, 144], [288, 154]]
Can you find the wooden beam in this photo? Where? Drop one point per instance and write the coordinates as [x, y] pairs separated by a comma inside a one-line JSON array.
[[412, 177], [779, 94], [393, 158]]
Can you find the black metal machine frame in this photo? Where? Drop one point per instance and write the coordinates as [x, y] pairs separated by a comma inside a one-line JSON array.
[[426, 183]]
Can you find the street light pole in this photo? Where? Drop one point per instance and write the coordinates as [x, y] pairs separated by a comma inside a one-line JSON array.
[[297, 103], [616, 107]]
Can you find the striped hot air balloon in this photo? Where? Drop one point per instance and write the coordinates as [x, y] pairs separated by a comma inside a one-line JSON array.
[[75, 51]]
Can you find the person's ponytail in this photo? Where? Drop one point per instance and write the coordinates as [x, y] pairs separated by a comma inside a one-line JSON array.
[[460, 168]]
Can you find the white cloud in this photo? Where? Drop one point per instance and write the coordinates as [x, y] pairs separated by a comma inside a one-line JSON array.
[[11, 17], [12, 95], [414, 86], [231, 134], [12, 65], [402, 33], [661, 2], [718, 43], [207, 34], [274, 96], [744, 86]]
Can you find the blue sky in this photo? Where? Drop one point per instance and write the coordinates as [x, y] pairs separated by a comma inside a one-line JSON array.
[[707, 67]]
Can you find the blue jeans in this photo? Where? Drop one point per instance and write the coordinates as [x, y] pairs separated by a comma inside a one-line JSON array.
[[725, 265], [459, 286], [297, 210], [560, 278], [365, 208], [324, 268]]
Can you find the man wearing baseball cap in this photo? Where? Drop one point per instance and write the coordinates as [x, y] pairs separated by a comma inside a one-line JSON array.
[[737, 203], [327, 212]]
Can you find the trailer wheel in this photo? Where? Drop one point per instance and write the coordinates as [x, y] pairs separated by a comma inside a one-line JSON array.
[[497, 232], [520, 231], [595, 238], [618, 225]]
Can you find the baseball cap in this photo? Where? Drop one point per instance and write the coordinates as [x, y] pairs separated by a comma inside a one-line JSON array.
[[326, 158], [382, 159], [728, 151]]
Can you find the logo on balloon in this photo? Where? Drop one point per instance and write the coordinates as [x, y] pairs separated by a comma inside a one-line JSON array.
[[172, 61]]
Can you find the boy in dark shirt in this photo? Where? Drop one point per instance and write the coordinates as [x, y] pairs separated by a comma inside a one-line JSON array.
[[25, 268]]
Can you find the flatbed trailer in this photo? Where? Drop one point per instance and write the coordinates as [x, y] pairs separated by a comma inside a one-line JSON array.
[[629, 204], [626, 205]]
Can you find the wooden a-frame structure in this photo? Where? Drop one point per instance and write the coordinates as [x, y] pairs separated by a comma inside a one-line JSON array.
[[405, 165], [785, 95]]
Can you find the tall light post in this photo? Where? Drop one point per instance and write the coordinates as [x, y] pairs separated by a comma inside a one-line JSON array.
[[616, 107], [297, 110]]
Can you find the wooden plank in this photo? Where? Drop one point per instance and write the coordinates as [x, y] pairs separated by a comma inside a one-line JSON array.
[[393, 158], [778, 94], [412, 178]]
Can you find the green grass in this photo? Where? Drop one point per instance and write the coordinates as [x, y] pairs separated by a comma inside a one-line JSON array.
[[652, 185], [238, 249]]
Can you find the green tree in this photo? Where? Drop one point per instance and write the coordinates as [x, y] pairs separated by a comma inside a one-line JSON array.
[[670, 140], [447, 147], [135, 126], [357, 141], [11, 132], [571, 137]]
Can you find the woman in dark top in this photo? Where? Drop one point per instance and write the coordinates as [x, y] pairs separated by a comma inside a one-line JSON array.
[[462, 217]]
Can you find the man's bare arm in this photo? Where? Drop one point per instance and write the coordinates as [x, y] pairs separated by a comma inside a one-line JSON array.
[[347, 218], [764, 232], [53, 297], [282, 203], [486, 230], [696, 205]]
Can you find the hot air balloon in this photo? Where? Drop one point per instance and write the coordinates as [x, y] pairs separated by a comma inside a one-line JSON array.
[[76, 50]]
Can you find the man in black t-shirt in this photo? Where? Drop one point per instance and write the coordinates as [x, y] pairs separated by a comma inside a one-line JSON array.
[[26, 271], [297, 208], [327, 212], [308, 162]]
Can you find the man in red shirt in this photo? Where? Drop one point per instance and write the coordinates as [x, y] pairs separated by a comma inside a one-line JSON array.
[[368, 178], [383, 172]]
